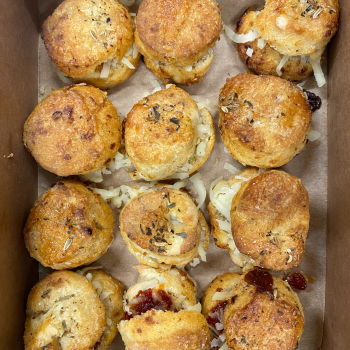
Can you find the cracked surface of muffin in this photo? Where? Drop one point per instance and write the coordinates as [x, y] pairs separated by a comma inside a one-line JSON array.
[[166, 133], [263, 120], [175, 35], [90, 41], [164, 227], [70, 225], [74, 130]]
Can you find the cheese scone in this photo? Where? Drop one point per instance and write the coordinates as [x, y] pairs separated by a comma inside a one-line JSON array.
[[162, 314], [264, 121], [262, 219], [164, 227], [70, 225], [92, 41], [253, 311], [166, 133], [176, 38], [74, 130]]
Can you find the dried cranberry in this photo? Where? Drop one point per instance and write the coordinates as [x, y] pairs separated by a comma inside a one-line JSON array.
[[261, 279], [296, 280], [315, 101]]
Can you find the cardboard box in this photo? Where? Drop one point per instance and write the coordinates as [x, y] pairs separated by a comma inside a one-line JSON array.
[[19, 173]]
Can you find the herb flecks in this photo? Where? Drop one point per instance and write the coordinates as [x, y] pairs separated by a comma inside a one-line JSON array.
[[248, 103], [154, 114], [175, 121]]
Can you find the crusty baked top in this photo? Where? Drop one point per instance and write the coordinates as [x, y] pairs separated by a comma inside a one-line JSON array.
[[298, 28], [81, 34], [178, 31], [160, 134], [70, 225], [270, 220], [74, 130], [263, 116], [64, 309], [164, 221]]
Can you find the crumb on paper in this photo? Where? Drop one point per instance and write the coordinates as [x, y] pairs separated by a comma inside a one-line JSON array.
[[9, 156], [42, 89], [217, 161]]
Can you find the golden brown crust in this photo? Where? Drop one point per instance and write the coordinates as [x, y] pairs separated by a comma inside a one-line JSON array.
[[270, 220], [70, 225], [158, 330], [74, 130], [117, 74], [224, 283], [189, 75], [113, 303], [265, 61], [160, 133], [64, 312], [177, 32], [163, 227], [82, 34], [294, 28], [264, 120], [267, 320]]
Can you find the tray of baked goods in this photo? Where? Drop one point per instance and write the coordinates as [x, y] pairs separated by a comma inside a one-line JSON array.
[[182, 183]]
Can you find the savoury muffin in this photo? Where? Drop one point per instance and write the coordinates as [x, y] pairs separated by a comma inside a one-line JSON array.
[[264, 59], [298, 28], [74, 130], [270, 220], [166, 133], [92, 41], [64, 312], [175, 35], [263, 120], [70, 225], [164, 227], [263, 313], [162, 313], [110, 291]]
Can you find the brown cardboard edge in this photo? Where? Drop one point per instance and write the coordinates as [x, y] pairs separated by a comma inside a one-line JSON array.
[[18, 174], [337, 312]]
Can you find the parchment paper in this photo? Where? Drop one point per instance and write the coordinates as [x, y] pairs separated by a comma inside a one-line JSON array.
[[310, 165]]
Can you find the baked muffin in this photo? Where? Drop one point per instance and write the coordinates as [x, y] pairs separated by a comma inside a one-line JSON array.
[[92, 41], [298, 28], [287, 38], [268, 219], [264, 59], [166, 133], [176, 38], [254, 311], [111, 292], [161, 312], [74, 130], [263, 120], [64, 312], [70, 225], [164, 227]]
